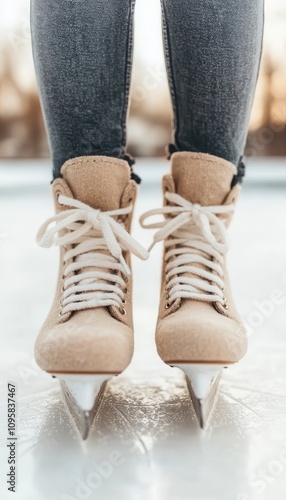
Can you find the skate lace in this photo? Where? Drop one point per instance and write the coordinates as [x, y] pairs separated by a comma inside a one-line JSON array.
[[195, 242], [99, 270]]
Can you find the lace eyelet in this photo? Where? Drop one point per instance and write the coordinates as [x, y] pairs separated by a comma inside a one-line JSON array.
[[226, 306], [167, 305], [125, 290], [126, 279], [122, 311], [58, 201], [129, 202], [123, 301]]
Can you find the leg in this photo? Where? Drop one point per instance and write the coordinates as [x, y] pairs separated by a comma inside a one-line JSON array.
[[213, 53], [82, 52]]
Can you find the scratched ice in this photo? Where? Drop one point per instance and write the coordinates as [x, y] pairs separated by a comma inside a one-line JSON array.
[[145, 442]]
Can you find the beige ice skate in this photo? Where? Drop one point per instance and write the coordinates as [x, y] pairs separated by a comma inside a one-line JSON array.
[[88, 335], [198, 328]]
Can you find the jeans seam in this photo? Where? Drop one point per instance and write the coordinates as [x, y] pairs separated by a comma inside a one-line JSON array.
[[257, 76], [169, 68], [128, 72]]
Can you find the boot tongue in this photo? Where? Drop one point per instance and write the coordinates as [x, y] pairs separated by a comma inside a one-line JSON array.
[[97, 181], [202, 178]]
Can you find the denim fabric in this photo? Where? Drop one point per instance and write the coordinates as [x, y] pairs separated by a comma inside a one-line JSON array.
[[82, 53], [212, 52], [83, 57]]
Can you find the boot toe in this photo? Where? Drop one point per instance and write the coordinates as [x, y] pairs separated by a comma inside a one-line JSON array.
[[197, 337], [86, 344]]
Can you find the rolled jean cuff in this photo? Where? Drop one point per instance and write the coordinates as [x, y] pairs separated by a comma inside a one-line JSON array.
[[130, 160]]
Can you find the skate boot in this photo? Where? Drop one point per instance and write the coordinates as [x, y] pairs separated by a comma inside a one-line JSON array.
[[88, 335], [198, 328]]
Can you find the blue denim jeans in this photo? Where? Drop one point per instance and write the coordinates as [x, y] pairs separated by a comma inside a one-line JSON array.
[[83, 59]]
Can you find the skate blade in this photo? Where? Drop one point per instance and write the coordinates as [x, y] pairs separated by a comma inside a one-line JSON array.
[[83, 395], [203, 383]]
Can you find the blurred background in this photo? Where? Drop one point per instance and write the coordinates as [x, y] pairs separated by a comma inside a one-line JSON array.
[[22, 133], [146, 414]]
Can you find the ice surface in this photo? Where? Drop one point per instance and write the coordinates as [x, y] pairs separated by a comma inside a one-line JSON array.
[[146, 442]]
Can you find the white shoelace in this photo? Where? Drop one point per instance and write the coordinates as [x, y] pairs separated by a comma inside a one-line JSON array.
[[95, 281], [199, 241]]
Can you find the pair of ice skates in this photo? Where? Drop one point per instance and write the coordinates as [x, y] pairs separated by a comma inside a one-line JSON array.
[[88, 335]]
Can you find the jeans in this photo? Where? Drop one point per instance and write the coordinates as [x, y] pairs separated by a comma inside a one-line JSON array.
[[83, 59]]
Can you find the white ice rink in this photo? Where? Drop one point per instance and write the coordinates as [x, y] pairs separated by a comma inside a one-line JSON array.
[[146, 443]]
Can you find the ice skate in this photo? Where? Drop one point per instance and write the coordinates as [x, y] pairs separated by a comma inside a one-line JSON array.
[[198, 328], [88, 335]]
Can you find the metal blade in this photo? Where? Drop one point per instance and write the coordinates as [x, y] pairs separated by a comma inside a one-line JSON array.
[[82, 419], [204, 407]]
